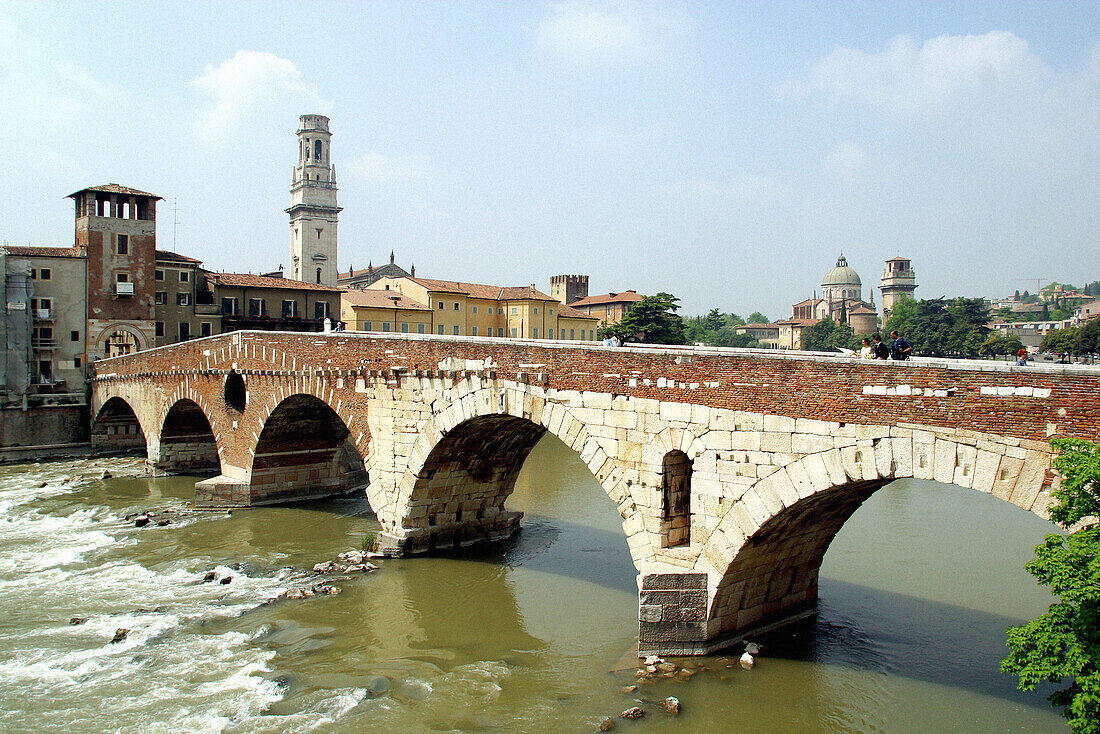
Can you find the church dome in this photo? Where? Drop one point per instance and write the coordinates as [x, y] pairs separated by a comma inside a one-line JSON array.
[[841, 276]]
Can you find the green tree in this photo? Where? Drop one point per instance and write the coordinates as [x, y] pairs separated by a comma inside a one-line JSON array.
[[1063, 645], [1088, 337], [998, 343], [939, 327], [653, 320], [828, 336], [1059, 340], [758, 318], [714, 320]]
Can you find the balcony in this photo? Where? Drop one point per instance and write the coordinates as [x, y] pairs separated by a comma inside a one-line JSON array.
[[42, 314], [124, 289], [43, 343]]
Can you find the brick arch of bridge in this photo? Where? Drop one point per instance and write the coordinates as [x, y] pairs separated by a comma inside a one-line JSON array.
[[465, 460], [304, 447], [189, 432], [764, 557], [115, 429]]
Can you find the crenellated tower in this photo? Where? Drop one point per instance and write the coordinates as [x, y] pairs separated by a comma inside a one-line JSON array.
[[313, 210]]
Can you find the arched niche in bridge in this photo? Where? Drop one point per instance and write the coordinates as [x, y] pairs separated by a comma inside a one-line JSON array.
[[116, 428], [675, 499], [305, 450], [235, 392], [187, 442]]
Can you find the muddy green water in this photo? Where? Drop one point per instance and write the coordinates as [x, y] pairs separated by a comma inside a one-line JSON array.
[[915, 595]]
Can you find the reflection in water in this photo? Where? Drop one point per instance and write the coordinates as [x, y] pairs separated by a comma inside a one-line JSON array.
[[519, 637]]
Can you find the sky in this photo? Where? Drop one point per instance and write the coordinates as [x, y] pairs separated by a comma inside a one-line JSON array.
[[724, 152]]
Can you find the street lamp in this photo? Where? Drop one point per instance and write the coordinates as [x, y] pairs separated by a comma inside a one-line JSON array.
[[395, 299]]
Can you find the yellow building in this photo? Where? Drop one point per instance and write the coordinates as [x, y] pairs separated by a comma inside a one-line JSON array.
[[377, 310], [475, 309], [609, 308]]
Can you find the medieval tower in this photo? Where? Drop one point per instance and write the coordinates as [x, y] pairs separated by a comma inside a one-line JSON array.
[[313, 210], [898, 282]]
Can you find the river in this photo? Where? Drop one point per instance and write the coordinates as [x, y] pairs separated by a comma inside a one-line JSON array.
[[916, 592]]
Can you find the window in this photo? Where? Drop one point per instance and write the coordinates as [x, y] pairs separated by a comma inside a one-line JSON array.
[[34, 273], [536, 312], [455, 330], [74, 336], [45, 303], [441, 305], [500, 311], [257, 307], [475, 309], [514, 334], [550, 311], [368, 326], [44, 332], [158, 274], [405, 328], [549, 333], [183, 299], [122, 244], [572, 334], [76, 361], [119, 277], [473, 331], [290, 309], [184, 276], [229, 306], [318, 269], [420, 328], [320, 310], [456, 305], [385, 326], [158, 328], [205, 328], [185, 331], [534, 333], [515, 310], [441, 328]]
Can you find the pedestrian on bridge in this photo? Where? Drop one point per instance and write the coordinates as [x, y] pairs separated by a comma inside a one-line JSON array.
[[899, 348], [880, 349]]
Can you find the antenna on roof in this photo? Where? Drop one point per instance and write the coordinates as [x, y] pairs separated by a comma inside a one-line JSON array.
[[175, 221]]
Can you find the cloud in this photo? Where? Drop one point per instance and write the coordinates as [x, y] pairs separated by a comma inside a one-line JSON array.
[[377, 167], [582, 32], [250, 91]]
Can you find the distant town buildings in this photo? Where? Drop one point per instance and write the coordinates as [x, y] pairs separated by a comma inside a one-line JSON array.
[[841, 300], [363, 278]]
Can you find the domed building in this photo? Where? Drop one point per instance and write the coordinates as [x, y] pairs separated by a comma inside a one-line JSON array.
[[841, 283], [841, 300]]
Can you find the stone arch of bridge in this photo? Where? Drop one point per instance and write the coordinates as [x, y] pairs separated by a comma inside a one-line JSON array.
[[305, 449], [464, 463], [117, 427], [187, 439], [764, 557]]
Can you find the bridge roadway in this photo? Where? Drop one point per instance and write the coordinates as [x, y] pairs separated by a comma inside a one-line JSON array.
[[732, 469]]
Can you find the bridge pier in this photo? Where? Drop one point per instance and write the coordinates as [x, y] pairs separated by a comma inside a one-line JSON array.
[[450, 531]]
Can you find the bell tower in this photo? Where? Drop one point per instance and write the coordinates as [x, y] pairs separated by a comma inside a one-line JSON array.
[[313, 210]]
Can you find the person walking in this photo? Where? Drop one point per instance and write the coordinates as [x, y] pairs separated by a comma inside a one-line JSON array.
[[880, 349], [899, 348]]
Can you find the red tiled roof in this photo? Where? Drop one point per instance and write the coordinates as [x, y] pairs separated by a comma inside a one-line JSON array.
[[568, 312], [629, 296], [168, 256], [373, 298], [113, 188], [35, 251], [798, 322], [248, 280], [479, 290], [757, 326]]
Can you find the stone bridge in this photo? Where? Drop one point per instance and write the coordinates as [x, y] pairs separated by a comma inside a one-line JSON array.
[[732, 469]]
